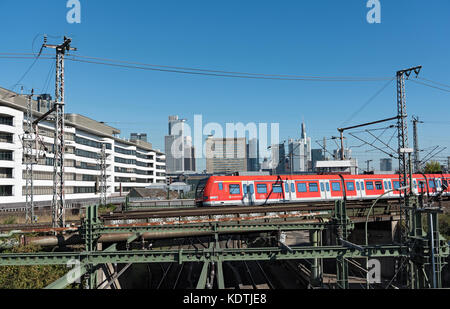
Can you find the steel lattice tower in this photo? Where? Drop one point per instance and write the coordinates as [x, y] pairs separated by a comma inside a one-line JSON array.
[[405, 167], [58, 202], [28, 160]]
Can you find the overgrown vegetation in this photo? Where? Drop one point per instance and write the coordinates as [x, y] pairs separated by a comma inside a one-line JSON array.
[[104, 209], [433, 167], [29, 277], [444, 225], [9, 221]]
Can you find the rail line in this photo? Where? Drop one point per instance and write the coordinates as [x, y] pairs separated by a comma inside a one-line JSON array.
[[231, 210]]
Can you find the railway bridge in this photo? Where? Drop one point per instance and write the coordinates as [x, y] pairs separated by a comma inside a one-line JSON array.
[[320, 245]]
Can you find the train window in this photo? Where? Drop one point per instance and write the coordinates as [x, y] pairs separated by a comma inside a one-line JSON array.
[[220, 186], [245, 189], [322, 187], [313, 187], [261, 188], [235, 189], [336, 186], [432, 184], [350, 186], [421, 184], [385, 185], [286, 188], [444, 184], [301, 187], [292, 188], [379, 185], [328, 187], [390, 185], [396, 185], [415, 183], [357, 186], [277, 189], [369, 185]]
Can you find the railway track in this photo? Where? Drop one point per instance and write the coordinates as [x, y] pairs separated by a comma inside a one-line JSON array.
[[390, 205], [232, 210]]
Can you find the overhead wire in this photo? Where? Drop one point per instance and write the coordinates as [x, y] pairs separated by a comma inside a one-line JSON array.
[[198, 71], [370, 100], [428, 85], [431, 81]]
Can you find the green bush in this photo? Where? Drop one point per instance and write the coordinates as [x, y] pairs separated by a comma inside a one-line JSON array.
[[29, 277]]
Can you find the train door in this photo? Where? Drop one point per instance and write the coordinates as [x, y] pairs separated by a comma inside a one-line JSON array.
[[323, 190], [289, 190], [359, 188], [248, 197]]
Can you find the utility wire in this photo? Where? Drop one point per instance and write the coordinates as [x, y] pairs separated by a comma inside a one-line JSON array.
[[367, 102], [431, 86], [196, 71], [232, 72], [431, 81]]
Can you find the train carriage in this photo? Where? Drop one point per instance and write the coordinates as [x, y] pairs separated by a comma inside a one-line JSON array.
[[264, 190]]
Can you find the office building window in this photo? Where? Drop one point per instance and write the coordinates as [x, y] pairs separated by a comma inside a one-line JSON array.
[[6, 190]]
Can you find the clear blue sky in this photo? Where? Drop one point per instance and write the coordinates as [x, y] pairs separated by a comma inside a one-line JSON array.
[[325, 38]]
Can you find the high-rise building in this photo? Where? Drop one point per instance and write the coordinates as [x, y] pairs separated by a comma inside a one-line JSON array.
[[337, 154], [386, 165], [316, 155], [253, 155], [300, 153], [278, 160], [226, 155], [179, 150]]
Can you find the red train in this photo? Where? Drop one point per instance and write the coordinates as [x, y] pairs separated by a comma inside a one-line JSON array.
[[262, 190]]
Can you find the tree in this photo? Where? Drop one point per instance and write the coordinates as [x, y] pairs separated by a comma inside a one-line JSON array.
[[433, 167]]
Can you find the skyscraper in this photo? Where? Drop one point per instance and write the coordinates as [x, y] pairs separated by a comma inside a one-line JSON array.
[[226, 155], [386, 165], [300, 153], [253, 155], [178, 147], [278, 162]]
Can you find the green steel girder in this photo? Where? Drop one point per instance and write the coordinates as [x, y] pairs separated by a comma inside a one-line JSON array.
[[201, 284], [75, 274], [216, 228], [212, 255]]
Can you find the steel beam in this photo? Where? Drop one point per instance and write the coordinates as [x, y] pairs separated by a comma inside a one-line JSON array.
[[192, 255], [75, 274], [203, 276]]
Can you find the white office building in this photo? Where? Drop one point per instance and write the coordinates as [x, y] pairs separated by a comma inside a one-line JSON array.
[[129, 164]]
